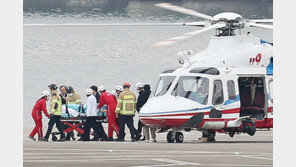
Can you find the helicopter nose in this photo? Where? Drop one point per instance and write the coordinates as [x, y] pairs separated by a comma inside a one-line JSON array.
[[166, 111]]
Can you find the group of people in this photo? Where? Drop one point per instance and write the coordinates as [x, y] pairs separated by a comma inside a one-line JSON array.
[[121, 107]]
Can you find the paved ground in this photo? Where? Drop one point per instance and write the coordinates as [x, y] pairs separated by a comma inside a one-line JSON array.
[[242, 150]]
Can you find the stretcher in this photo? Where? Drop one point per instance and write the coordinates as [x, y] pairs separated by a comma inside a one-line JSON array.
[[74, 120]]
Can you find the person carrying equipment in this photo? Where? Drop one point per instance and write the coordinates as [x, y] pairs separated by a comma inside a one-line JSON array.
[[95, 92], [109, 100], [56, 112], [125, 110], [37, 116], [91, 115]]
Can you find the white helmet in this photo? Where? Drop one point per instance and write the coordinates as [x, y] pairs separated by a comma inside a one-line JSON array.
[[101, 88], [139, 85], [45, 93], [89, 91], [113, 93], [120, 88]]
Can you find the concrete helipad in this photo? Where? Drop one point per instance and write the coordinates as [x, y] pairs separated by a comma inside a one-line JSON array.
[[242, 150]]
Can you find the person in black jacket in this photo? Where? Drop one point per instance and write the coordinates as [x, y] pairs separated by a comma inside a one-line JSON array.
[[145, 96], [96, 93], [144, 92]]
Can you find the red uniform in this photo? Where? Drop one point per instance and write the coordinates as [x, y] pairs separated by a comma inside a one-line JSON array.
[[111, 102], [36, 114]]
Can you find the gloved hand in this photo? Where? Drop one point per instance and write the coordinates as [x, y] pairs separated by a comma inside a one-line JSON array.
[[116, 115]]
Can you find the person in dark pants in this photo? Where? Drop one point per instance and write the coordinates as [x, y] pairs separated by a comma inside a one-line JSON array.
[[102, 136], [56, 112], [91, 116], [125, 110], [140, 103], [96, 93]]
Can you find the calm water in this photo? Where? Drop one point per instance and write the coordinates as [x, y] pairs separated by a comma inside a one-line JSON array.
[[81, 56]]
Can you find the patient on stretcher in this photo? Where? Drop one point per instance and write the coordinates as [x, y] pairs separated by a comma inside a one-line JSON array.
[[76, 110]]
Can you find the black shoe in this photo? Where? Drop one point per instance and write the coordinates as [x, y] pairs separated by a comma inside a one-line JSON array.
[[143, 139], [133, 140], [43, 139], [61, 140], [94, 139], [80, 139], [110, 139], [32, 138], [138, 137], [119, 140]]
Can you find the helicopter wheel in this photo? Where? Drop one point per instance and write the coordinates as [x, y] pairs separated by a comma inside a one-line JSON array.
[[211, 136], [179, 137], [170, 137]]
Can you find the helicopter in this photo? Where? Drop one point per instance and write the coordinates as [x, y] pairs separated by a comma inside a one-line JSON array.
[[226, 88]]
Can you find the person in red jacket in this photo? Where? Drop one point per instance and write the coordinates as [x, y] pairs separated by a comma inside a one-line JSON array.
[[109, 100], [37, 116]]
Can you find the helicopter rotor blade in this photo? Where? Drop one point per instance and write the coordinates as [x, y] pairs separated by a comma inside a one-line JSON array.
[[261, 20], [179, 9], [261, 25], [102, 24], [179, 38], [196, 23]]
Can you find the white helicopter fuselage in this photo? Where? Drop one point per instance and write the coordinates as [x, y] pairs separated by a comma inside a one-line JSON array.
[[208, 84]]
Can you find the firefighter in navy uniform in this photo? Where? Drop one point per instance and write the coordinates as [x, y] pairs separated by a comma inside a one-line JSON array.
[[125, 110], [56, 112]]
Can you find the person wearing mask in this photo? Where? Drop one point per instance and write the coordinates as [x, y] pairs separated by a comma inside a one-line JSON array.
[[56, 112], [95, 92], [72, 96], [91, 115], [39, 106], [145, 97], [125, 110], [97, 95], [118, 90], [140, 103], [109, 100]]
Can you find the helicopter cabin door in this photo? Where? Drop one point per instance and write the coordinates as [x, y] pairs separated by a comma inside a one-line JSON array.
[[253, 97], [225, 98]]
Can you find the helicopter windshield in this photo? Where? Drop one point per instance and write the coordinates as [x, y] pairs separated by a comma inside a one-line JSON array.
[[163, 85], [192, 87]]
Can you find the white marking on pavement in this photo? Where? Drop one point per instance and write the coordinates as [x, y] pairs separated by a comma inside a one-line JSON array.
[[248, 156], [170, 161]]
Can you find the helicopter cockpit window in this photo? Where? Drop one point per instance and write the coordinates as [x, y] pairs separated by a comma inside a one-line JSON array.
[[218, 93], [193, 88], [163, 85]]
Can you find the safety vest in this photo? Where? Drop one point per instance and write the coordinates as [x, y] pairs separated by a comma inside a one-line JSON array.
[[126, 103], [75, 99], [56, 99]]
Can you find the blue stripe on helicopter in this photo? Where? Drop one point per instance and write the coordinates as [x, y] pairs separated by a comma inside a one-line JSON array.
[[237, 98], [195, 109]]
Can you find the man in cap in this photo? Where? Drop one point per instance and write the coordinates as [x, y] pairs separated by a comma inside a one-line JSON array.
[[56, 112], [125, 110]]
